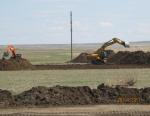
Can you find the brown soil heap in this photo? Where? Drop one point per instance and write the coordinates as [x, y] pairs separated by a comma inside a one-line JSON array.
[[57, 95], [15, 64], [83, 95], [122, 57], [81, 58], [126, 57], [6, 98]]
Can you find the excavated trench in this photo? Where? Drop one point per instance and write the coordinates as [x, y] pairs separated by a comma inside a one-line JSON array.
[[82, 95]]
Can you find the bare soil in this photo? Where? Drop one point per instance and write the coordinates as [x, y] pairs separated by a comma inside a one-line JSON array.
[[126, 57], [81, 58], [15, 64], [88, 66], [121, 57], [68, 96]]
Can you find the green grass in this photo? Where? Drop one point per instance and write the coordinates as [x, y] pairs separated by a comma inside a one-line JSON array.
[[47, 56], [18, 81]]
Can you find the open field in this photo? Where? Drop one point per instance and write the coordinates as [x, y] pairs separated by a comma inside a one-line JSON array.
[[17, 81]]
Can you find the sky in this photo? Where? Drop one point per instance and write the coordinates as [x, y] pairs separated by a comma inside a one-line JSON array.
[[94, 21]]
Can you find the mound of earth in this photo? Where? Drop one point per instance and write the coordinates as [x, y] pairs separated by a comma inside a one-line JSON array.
[[82, 95], [126, 57], [58, 95], [6, 98], [121, 57], [15, 64], [81, 58]]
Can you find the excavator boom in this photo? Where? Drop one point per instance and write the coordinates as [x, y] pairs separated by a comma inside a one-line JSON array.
[[111, 42], [12, 49]]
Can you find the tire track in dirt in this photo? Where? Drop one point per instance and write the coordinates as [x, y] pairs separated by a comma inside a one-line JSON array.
[[86, 110], [113, 113]]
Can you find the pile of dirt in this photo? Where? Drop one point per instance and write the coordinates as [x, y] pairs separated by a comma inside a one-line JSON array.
[[81, 58], [126, 57], [15, 64], [6, 98], [121, 57], [82, 95], [58, 95]]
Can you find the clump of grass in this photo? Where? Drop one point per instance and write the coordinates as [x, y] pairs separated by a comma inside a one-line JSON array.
[[130, 82]]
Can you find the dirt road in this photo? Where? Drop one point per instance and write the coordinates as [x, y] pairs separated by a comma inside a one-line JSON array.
[[96, 110]]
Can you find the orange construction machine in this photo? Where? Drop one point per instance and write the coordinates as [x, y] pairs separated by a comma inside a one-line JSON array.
[[11, 53]]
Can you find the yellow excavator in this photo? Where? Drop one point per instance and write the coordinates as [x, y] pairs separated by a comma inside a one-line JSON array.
[[100, 56]]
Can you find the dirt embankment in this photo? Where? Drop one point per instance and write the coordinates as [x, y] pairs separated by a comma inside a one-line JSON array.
[[15, 64], [81, 58], [83, 95], [121, 57], [126, 57]]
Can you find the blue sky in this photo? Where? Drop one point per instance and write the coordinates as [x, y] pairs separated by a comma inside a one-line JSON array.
[[94, 21]]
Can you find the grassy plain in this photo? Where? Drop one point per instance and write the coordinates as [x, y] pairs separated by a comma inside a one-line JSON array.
[[18, 81]]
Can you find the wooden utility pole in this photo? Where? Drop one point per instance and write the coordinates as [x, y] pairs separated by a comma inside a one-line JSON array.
[[71, 31]]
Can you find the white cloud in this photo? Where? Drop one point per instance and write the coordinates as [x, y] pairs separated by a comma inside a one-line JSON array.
[[105, 24]]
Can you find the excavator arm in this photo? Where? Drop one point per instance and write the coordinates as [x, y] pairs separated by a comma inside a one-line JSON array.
[[12, 49], [111, 42]]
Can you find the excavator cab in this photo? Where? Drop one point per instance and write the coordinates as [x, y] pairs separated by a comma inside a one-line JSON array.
[[102, 57]]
